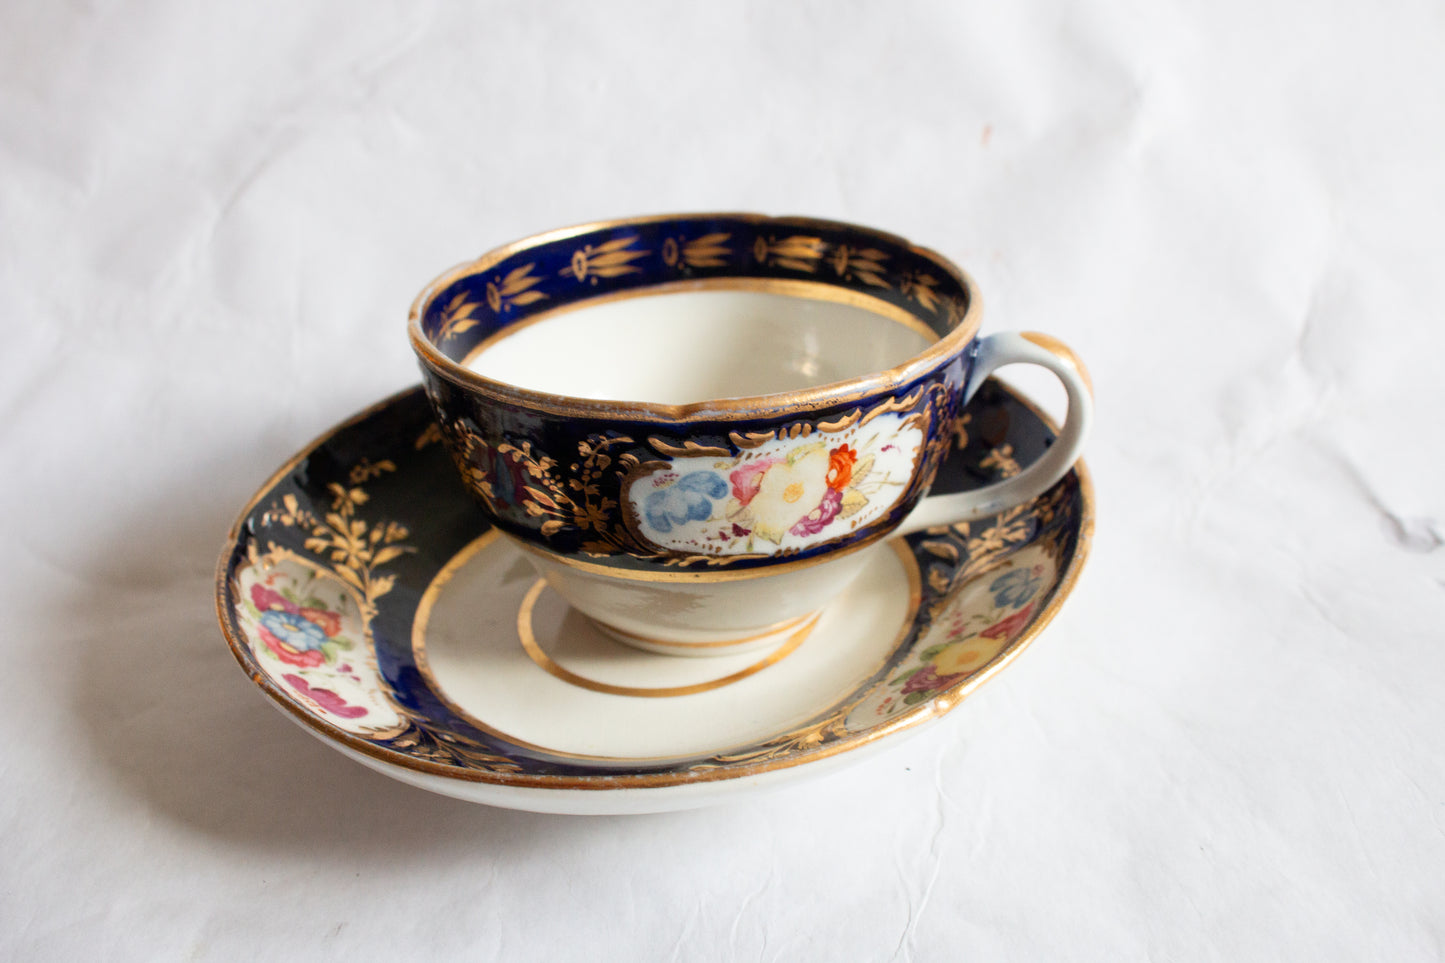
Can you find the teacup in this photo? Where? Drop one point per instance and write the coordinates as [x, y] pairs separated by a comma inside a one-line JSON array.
[[695, 426]]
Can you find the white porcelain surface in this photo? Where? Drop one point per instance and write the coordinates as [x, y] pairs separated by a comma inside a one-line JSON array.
[[473, 654], [698, 613], [691, 346]]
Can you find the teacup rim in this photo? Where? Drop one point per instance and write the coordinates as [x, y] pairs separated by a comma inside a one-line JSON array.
[[815, 397]]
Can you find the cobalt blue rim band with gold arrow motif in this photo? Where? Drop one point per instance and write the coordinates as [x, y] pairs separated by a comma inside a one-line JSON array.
[[556, 472]]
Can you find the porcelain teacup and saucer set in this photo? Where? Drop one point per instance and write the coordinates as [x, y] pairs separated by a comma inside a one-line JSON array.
[[686, 507]]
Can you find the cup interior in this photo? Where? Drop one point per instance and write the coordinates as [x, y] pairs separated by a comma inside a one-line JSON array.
[[691, 346], [688, 309]]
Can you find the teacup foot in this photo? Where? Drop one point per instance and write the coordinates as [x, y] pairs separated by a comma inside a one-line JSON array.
[[790, 631]]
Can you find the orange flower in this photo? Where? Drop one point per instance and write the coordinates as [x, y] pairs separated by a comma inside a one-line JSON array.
[[840, 467], [329, 622]]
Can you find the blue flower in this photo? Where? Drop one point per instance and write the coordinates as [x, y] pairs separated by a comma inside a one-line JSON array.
[[1014, 588], [299, 633], [689, 499]]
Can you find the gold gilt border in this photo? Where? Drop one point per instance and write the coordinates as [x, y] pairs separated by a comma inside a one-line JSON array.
[[422, 619], [537, 654], [802, 290], [949, 346], [917, 715]]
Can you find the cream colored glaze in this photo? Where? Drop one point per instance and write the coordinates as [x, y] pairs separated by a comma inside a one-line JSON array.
[[693, 614], [692, 346], [473, 655]]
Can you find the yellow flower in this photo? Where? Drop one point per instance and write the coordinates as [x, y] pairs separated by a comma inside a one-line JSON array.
[[787, 492], [963, 657]]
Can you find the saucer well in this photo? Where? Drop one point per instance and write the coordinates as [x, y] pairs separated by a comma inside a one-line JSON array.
[[366, 595]]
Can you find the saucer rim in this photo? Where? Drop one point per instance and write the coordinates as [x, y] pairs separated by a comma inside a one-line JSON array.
[[927, 711]]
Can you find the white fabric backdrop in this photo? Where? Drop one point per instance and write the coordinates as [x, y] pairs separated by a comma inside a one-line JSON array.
[[1230, 743]]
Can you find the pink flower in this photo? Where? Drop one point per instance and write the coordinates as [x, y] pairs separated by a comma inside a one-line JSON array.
[[818, 519], [749, 478], [327, 700], [927, 679], [265, 598], [1010, 628]]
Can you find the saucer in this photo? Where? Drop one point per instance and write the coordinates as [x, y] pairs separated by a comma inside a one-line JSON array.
[[366, 595]]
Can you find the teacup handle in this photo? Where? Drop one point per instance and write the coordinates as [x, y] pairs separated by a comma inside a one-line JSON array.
[[994, 352]]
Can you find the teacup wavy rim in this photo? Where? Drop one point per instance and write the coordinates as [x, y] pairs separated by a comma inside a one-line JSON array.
[[822, 396]]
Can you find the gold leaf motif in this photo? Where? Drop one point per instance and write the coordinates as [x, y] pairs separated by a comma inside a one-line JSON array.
[[895, 404], [689, 449], [359, 572], [537, 495], [354, 547], [447, 748], [611, 259], [706, 251], [365, 470], [1002, 459], [920, 287], [711, 560], [955, 310], [457, 316], [847, 421], [388, 554], [350, 575], [866, 264], [574, 500], [960, 431], [943, 550], [804, 738], [752, 439], [505, 292], [798, 252], [518, 280]]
